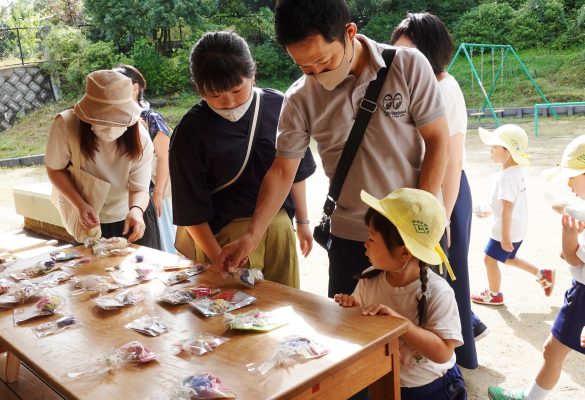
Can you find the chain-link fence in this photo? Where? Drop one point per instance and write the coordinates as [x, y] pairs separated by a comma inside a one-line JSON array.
[[20, 46]]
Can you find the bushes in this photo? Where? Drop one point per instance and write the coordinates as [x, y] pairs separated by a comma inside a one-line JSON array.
[[494, 20], [380, 26]]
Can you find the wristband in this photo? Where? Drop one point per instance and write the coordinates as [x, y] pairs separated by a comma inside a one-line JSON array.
[[140, 208], [302, 221]]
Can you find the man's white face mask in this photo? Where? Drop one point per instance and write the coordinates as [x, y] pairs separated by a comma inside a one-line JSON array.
[[108, 133], [331, 79]]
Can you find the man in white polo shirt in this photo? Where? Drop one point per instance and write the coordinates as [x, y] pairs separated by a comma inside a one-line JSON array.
[[405, 143]]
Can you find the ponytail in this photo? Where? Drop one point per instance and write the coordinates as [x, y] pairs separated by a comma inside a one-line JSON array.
[[421, 307]]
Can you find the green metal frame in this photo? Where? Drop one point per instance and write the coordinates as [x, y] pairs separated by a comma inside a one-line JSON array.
[[550, 105], [467, 47]]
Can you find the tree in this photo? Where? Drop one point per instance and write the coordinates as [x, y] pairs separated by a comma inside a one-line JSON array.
[[123, 21], [68, 12]]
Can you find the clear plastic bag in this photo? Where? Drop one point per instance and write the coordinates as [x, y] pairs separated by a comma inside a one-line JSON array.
[[247, 276], [47, 305], [135, 273], [77, 262], [152, 326], [255, 320], [200, 344], [291, 350], [60, 256], [50, 280], [175, 277], [19, 294], [114, 246], [54, 327], [202, 386], [93, 283], [125, 298], [225, 300], [185, 295], [5, 285], [37, 269], [132, 352]]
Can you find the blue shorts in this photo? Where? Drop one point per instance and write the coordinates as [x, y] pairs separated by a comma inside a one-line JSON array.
[[495, 251], [571, 318], [450, 386]]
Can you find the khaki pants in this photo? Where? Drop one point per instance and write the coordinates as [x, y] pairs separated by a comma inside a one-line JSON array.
[[276, 255]]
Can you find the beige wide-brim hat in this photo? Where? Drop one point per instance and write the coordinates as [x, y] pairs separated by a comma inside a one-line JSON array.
[[420, 219], [572, 163], [108, 100], [511, 137]]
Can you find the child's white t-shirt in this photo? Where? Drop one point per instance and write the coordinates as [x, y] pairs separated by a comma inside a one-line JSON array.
[[442, 319], [578, 272], [510, 186]]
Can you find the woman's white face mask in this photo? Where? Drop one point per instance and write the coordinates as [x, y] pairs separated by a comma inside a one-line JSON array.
[[108, 133]]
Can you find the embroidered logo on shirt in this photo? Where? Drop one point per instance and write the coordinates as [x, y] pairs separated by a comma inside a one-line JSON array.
[[391, 104], [420, 226]]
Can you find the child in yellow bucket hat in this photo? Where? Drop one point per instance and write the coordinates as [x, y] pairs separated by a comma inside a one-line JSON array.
[[404, 230], [567, 332], [510, 213]]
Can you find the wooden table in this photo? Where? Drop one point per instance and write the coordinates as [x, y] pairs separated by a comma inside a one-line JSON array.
[[363, 349]]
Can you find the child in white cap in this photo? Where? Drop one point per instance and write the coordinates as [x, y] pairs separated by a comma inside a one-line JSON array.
[[510, 215], [567, 332], [404, 230]]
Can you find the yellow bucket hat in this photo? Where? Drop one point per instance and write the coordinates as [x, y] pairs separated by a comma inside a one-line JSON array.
[[420, 219], [572, 163], [510, 136]]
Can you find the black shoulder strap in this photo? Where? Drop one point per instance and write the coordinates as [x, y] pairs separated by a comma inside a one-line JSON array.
[[368, 107]]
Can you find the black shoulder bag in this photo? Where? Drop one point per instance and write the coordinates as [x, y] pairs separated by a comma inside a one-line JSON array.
[[368, 106]]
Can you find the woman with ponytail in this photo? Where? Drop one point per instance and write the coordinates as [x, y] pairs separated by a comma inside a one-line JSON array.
[[404, 230]]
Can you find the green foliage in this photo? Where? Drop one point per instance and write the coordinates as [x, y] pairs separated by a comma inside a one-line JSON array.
[[273, 63], [538, 22], [380, 26], [494, 20], [162, 74], [99, 55]]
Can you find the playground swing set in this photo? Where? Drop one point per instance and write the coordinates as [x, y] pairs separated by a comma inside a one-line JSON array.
[[477, 78]]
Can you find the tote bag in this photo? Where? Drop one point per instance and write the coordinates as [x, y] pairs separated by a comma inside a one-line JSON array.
[[92, 189]]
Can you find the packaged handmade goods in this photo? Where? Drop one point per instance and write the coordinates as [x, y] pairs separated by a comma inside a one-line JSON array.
[[225, 300], [199, 344], [291, 350], [54, 327], [151, 326], [184, 295], [46, 305], [131, 353], [255, 320], [125, 298]]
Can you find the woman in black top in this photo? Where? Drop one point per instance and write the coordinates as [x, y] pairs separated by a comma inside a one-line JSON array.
[[217, 163]]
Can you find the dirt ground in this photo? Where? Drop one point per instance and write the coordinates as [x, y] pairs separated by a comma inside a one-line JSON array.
[[511, 354]]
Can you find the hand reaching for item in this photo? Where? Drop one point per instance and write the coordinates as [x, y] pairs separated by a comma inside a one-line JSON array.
[[134, 225]]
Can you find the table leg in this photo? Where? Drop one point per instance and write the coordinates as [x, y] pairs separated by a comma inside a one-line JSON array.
[[388, 386], [12, 367]]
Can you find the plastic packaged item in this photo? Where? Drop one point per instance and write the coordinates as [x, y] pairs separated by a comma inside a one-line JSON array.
[[93, 283], [247, 276], [125, 298], [180, 264], [47, 305], [576, 212], [291, 350], [134, 274], [54, 327], [131, 353], [202, 386], [175, 277], [77, 262], [185, 295], [5, 285], [19, 294], [225, 300], [38, 269], [50, 280], [105, 247], [200, 344], [60, 256], [152, 326], [255, 320]]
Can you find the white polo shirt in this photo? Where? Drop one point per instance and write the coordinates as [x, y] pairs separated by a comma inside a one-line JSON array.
[[392, 149]]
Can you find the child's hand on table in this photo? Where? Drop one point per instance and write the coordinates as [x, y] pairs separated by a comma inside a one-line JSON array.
[[345, 300], [380, 309]]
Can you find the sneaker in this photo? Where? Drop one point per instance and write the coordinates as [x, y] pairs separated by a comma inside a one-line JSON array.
[[486, 297], [497, 393], [547, 281], [480, 330]]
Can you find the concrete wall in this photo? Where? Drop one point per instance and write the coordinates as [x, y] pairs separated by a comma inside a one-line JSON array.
[[22, 89]]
